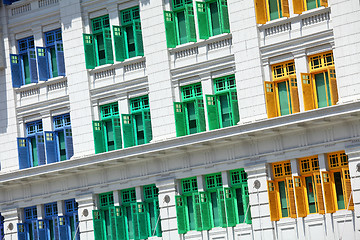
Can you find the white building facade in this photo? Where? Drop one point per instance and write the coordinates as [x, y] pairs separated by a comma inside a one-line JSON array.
[[180, 119]]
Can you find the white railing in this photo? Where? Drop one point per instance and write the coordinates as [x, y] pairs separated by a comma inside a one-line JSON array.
[[134, 66], [277, 29], [220, 44], [44, 3], [104, 74], [21, 9], [186, 52], [316, 19], [30, 92], [57, 85]]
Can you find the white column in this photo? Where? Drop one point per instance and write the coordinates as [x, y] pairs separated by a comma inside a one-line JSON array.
[[10, 222], [85, 207], [300, 60], [207, 88]]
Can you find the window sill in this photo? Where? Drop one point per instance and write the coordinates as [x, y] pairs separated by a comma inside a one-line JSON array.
[[116, 64], [41, 83]]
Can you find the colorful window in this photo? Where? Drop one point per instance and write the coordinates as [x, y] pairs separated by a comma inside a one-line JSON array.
[[305, 5], [69, 224], [30, 228], [319, 86], [151, 201], [270, 10], [282, 93]]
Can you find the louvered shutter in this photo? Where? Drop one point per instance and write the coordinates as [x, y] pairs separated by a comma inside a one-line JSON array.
[[128, 130], [246, 203], [43, 64], [55, 227], [180, 119], [157, 217], [291, 197], [23, 153], [197, 211], [294, 96], [60, 60], [300, 196], [112, 214], [260, 11], [181, 214], [231, 207], [138, 39], [222, 207], [77, 226], [68, 142], [324, 3], [285, 8], [117, 132], [234, 106], [120, 223], [200, 115], [16, 70], [203, 21], [143, 221], [33, 65], [98, 137], [21, 231], [89, 48], [63, 223], [333, 85], [270, 97], [298, 6], [190, 23], [328, 192], [34, 230], [319, 193], [98, 225], [42, 229], [135, 221], [119, 43], [147, 126], [212, 112], [50, 147], [206, 216], [224, 16], [109, 55], [40, 147], [170, 29], [308, 93], [273, 201], [346, 181]]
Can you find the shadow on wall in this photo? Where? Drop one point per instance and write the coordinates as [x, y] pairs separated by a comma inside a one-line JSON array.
[[3, 95]]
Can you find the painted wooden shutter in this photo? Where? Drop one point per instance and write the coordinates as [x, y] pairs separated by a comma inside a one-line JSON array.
[[120, 223], [98, 137], [34, 229], [298, 6], [206, 216], [234, 106], [143, 221], [197, 211], [231, 207], [260, 11], [333, 85], [319, 193], [135, 222], [23, 153], [157, 217], [60, 60], [50, 147], [285, 8], [147, 126], [112, 223], [40, 146], [181, 214], [89, 48], [170, 29], [180, 124], [324, 3], [203, 21], [190, 23], [273, 201], [77, 226], [212, 112], [119, 43], [128, 130], [328, 192], [16, 70], [246, 203], [300, 196], [33, 65], [224, 16], [308, 93], [63, 223], [138, 39], [68, 142], [291, 197], [109, 55], [43, 64], [55, 227], [117, 132], [41, 226], [270, 97], [346, 182], [222, 208], [294, 95], [98, 222], [200, 115], [21, 233]]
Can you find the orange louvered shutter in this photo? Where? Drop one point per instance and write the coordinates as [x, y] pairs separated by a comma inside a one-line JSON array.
[[328, 192], [291, 197], [347, 189], [298, 6], [270, 98], [333, 85], [308, 93], [285, 8], [294, 95], [260, 11], [324, 3], [273, 201], [319, 193], [300, 197]]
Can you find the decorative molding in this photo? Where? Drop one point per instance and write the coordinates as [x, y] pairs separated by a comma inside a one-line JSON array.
[[21, 9], [44, 3], [283, 27]]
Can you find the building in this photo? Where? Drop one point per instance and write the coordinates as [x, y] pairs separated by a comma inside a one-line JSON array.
[[180, 119]]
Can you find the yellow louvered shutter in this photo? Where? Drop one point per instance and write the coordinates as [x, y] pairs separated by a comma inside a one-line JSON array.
[[298, 6], [324, 3], [291, 197], [294, 95], [260, 11], [300, 197], [333, 85], [319, 193], [270, 100], [273, 201], [308, 93], [285, 8], [328, 192], [347, 189]]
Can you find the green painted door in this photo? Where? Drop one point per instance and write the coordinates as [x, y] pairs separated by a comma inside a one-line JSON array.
[[214, 19], [322, 90], [152, 217], [274, 9], [26, 68], [339, 190], [181, 25], [284, 98], [34, 154], [191, 117], [99, 43], [240, 205], [54, 68], [130, 223], [310, 194], [62, 146], [215, 209], [109, 134], [283, 201], [191, 214], [311, 4], [72, 227], [225, 111], [130, 41], [139, 129]]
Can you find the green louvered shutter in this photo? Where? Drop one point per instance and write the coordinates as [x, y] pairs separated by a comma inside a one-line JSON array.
[[234, 107], [170, 29], [197, 211], [157, 217], [98, 225], [89, 47], [119, 43], [109, 55], [212, 112], [138, 39], [245, 200], [135, 221], [181, 214], [190, 23], [128, 130], [117, 132], [200, 115], [98, 137], [206, 215], [121, 230], [180, 119], [224, 19], [113, 223], [231, 207], [203, 21], [147, 126], [142, 221], [222, 207]]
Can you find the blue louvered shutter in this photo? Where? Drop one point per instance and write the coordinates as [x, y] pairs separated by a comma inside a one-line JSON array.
[[50, 147], [43, 64], [68, 142], [32, 65], [41, 228], [21, 230], [60, 58], [56, 228], [63, 227], [23, 153], [34, 230], [77, 229], [15, 70], [40, 146]]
